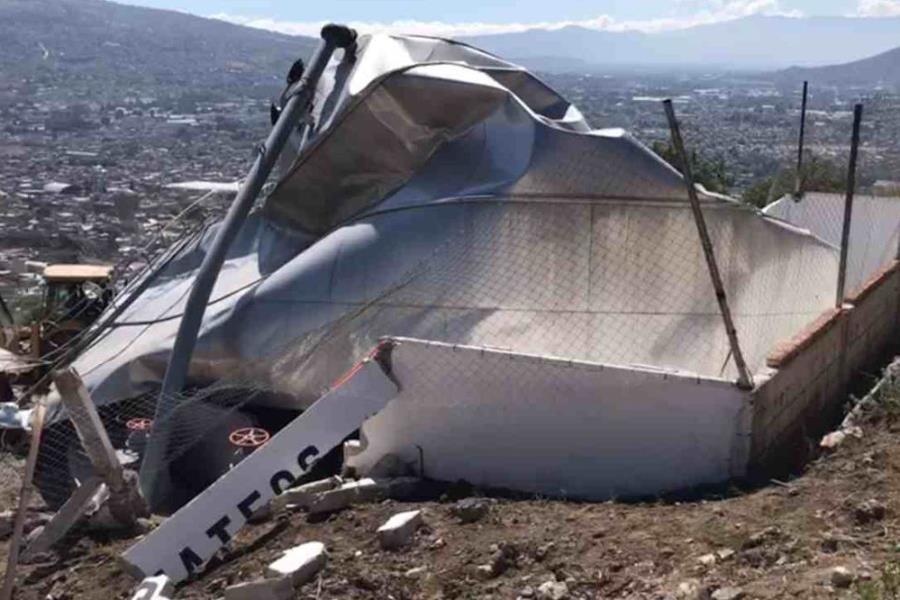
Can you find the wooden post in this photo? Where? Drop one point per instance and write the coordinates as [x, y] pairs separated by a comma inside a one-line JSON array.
[[848, 206], [12, 561], [798, 181], [745, 380], [89, 427], [36, 340]]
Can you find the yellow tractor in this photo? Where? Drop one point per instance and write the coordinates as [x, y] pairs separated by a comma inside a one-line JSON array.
[[74, 296]]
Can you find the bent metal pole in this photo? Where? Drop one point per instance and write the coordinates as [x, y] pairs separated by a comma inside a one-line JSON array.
[[298, 100], [744, 379], [848, 207]]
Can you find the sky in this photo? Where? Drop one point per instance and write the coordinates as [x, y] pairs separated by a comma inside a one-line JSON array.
[[470, 17]]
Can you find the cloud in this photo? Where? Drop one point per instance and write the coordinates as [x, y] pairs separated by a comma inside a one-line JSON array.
[[878, 8], [706, 12]]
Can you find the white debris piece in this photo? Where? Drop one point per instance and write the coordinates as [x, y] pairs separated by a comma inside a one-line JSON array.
[[302, 496], [299, 564], [364, 490], [159, 587], [399, 529], [262, 589]]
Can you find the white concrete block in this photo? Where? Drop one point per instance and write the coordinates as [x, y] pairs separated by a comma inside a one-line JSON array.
[[262, 589], [303, 495], [300, 563], [364, 490], [155, 588], [399, 530]]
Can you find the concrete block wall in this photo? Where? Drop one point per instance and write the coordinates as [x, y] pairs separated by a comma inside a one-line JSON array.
[[806, 380]]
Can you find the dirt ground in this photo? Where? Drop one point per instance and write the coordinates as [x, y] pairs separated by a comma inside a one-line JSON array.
[[781, 541]]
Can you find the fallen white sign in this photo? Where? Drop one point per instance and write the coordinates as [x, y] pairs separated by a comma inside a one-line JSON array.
[[184, 543]]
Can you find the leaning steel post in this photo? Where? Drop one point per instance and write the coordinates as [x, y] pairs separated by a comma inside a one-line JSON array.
[[744, 378], [848, 207], [299, 97], [798, 176]]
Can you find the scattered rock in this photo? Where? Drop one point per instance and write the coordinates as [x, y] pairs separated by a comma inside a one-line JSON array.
[[728, 593], [415, 572], [484, 572], [841, 577], [470, 510], [833, 440], [691, 590], [707, 560], [299, 564], [504, 557], [543, 551], [399, 529], [261, 589], [552, 590], [869, 511], [760, 537], [725, 554], [527, 592]]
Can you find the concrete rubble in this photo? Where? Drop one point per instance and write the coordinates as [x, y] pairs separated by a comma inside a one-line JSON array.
[[296, 567], [302, 496], [349, 493], [261, 589], [399, 530], [300, 563]]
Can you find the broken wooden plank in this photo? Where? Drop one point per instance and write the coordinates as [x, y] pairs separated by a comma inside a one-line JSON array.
[[89, 427], [66, 517]]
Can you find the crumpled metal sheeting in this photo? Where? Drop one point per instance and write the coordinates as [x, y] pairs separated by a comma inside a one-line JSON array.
[[511, 232], [380, 143]]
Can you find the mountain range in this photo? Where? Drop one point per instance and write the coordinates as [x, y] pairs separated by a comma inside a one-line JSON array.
[[757, 42], [882, 69], [97, 44]]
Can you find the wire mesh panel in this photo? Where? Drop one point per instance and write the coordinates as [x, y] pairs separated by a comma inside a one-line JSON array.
[[874, 229], [618, 283]]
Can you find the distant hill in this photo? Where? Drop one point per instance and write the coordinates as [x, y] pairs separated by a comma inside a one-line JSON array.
[[883, 69], [94, 42], [757, 42]]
